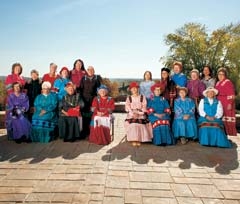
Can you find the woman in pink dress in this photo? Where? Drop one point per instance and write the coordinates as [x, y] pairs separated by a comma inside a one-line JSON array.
[[14, 77], [138, 127], [226, 94]]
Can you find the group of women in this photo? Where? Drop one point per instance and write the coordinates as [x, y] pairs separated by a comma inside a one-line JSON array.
[[75, 105], [64, 105], [200, 108]]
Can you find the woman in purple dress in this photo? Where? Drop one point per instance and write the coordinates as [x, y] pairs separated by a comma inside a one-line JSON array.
[[18, 127]]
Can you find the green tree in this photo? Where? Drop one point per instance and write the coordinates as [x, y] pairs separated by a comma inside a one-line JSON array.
[[195, 47], [113, 86]]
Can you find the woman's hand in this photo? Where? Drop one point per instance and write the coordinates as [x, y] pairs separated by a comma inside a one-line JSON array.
[[186, 117], [42, 112]]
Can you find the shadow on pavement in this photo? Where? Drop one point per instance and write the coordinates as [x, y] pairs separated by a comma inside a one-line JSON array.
[[182, 156], [37, 152]]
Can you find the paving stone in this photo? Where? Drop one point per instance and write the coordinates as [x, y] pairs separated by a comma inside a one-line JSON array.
[[196, 175], [212, 201], [15, 190], [157, 193], [80, 198], [133, 196], [114, 192], [227, 184], [181, 190], [149, 185], [7, 197], [192, 180], [40, 197], [97, 196], [205, 191], [92, 189], [118, 173], [95, 179], [176, 172], [117, 182], [62, 197], [186, 200], [231, 194], [28, 174], [111, 200], [19, 183], [150, 200]]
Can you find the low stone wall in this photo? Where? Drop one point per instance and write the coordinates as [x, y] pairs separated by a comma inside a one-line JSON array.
[[2, 119]]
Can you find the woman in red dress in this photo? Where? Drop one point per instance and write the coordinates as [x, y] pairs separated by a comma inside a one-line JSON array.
[[226, 94], [102, 107], [14, 77]]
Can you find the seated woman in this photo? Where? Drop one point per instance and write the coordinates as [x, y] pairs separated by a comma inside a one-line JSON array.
[[184, 123], [138, 127], [44, 119], [70, 122], [211, 127], [102, 107], [159, 116], [18, 126]]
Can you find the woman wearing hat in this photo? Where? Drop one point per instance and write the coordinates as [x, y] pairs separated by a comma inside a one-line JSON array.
[[184, 123], [211, 128], [226, 94], [70, 121], [159, 116], [44, 119], [195, 87], [138, 127], [102, 108], [18, 126], [60, 83]]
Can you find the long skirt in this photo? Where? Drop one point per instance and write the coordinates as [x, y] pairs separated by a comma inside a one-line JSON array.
[[162, 135], [184, 128], [100, 130], [42, 130], [69, 128], [212, 134], [139, 130]]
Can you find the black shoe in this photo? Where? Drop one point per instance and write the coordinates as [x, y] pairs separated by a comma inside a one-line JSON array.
[[18, 141]]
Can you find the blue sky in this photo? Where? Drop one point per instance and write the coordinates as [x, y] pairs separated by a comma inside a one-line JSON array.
[[120, 38]]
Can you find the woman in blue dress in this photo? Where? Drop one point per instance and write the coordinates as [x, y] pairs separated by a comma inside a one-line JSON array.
[[145, 86], [184, 123], [60, 83], [159, 116], [211, 128], [178, 77], [44, 119]]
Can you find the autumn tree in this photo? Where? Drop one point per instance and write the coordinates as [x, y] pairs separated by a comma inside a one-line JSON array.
[[113, 86], [195, 47]]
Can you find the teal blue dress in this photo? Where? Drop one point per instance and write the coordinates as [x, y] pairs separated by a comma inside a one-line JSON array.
[[161, 126], [211, 133], [181, 127], [43, 126]]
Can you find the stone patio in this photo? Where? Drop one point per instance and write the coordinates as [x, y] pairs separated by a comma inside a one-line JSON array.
[[81, 172]]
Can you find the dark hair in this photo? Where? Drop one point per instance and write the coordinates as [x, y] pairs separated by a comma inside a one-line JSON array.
[[165, 69], [210, 71], [17, 65], [15, 83], [150, 73], [82, 67]]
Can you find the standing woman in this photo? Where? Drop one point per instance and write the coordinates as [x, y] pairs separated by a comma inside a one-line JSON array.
[[60, 83], [18, 127], [170, 91], [226, 94], [44, 119], [138, 127], [77, 73], [207, 77], [33, 88], [145, 86], [52, 75], [178, 76], [14, 77]]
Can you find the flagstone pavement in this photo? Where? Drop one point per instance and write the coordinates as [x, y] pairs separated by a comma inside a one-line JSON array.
[[81, 172]]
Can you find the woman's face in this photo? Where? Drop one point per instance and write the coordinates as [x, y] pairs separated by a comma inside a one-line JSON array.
[[16, 88], [176, 69], [90, 71], [157, 91], [221, 76], [34, 76], [164, 75], [17, 70], [45, 91], [64, 73], [102, 92], [206, 71], [210, 94], [70, 90], [53, 69], [194, 76], [147, 76], [134, 90], [182, 93], [78, 65]]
